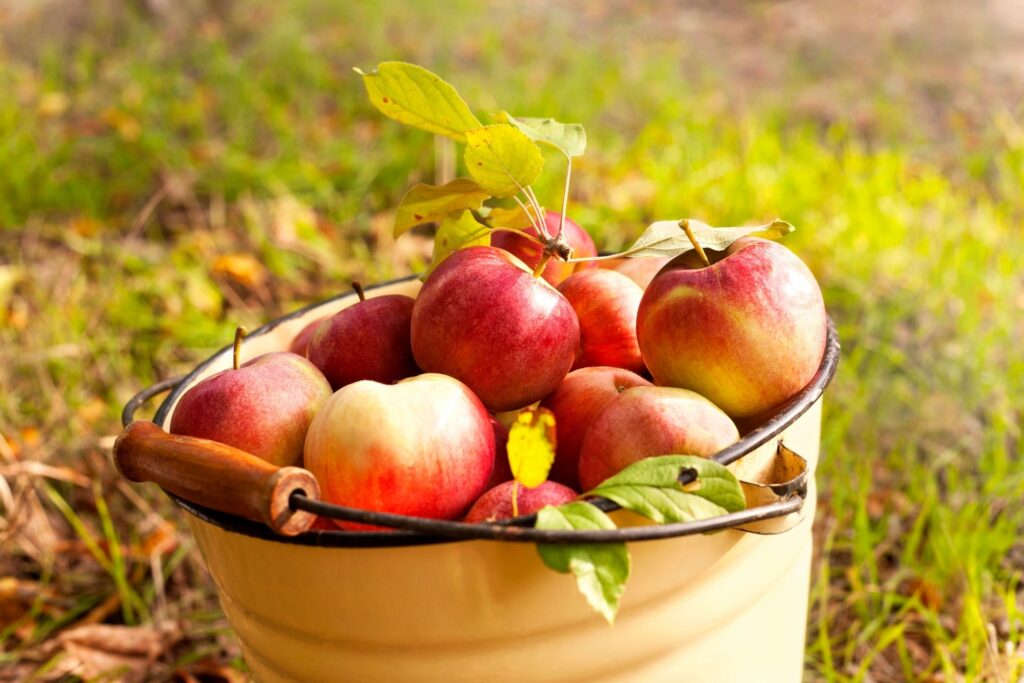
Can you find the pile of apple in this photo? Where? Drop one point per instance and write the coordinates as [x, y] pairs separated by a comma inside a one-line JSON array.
[[402, 405]]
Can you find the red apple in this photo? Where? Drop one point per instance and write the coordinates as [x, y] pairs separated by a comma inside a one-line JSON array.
[[575, 404], [641, 270], [748, 331], [497, 503], [483, 318], [606, 303], [368, 340], [264, 407], [530, 252], [422, 447], [300, 343], [322, 523], [502, 469], [647, 421]]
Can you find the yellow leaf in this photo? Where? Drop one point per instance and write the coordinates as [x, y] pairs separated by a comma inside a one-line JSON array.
[[31, 437], [415, 96], [531, 446], [240, 268], [509, 218], [428, 203], [52, 104], [456, 233], [85, 226], [127, 126], [93, 411], [502, 159]]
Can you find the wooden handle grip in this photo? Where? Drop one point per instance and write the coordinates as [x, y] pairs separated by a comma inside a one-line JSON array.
[[216, 476]]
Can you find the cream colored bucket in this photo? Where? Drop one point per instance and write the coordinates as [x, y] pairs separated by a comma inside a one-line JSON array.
[[400, 607]]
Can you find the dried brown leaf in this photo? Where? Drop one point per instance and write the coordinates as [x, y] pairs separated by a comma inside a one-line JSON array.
[[96, 650], [30, 527], [33, 468], [929, 593], [209, 670]]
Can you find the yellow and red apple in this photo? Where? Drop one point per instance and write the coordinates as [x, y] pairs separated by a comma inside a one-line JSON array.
[[646, 421], [423, 447], [748, 331], [263, 407]]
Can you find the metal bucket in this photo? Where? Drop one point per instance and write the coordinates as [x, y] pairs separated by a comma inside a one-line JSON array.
[[406, 606]]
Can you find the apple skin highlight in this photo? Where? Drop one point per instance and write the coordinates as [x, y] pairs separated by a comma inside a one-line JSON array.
[[529, 252], [423, 447], [485, 319], [748, 331], [647, 421], [264, 407]]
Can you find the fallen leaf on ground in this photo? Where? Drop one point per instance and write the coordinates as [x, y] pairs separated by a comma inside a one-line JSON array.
[[242, 269], [98, 650], [209, 670], [926, 591]]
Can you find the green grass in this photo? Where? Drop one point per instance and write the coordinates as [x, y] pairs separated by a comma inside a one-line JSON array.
[[248, 135]]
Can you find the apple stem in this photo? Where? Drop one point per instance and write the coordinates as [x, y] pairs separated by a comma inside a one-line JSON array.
[[542, 263], [565, 197], [541, 223], [359, 291], [515, 497], [236, 350], [535, 222], [607, 257], [685, 225]]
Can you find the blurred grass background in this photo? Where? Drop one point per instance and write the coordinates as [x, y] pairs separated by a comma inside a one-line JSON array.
[[169, 170]]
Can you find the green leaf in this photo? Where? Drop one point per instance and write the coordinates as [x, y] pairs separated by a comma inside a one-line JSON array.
[[429, 203], [569, 138], [417, 97], [502, 159], [651, 488], [666, 238], [456, 232], [531, 446], [601, 569]]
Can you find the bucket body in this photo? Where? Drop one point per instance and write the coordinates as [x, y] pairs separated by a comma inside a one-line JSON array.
[[729, 606]]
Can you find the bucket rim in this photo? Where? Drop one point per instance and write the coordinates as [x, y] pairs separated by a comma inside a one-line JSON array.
[[784, 416]]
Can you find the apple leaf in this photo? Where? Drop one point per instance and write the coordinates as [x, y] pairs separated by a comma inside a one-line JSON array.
[[601, 569], [531, 446], [428, 203], [413, 95], [667, 239], [569, 138], [502, 159], [456, 232], [515, 217], [651, 488]]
